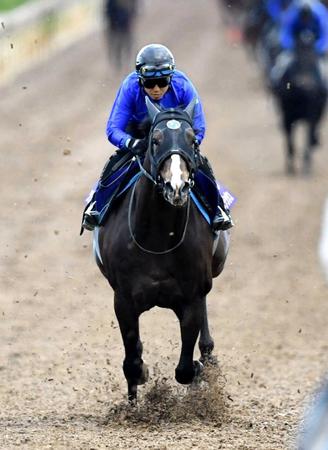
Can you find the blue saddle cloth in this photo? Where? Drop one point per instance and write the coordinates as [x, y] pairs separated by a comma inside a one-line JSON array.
[[108, 194]]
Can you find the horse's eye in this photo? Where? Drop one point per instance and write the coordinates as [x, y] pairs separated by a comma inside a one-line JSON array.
[[190, 135], [157, 137]]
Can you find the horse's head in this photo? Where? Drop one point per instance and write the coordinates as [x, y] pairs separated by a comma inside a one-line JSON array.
[[172, 153]]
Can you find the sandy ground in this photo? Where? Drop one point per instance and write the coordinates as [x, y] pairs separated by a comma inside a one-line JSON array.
[[61, 383]]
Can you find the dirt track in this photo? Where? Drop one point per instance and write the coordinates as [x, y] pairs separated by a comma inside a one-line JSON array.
[[61, 383]]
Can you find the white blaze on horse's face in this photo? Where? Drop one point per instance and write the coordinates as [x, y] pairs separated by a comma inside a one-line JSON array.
[[175, 175]]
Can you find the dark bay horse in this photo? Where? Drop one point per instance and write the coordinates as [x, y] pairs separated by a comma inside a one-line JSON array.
[[254, 23], [301, 96], [157, 250], [120, 17]]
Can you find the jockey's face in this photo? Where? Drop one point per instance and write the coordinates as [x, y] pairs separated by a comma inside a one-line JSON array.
[[156, 93]]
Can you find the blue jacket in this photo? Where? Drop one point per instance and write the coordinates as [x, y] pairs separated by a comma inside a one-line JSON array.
[[130, 106], [275, 9], [292, 26]]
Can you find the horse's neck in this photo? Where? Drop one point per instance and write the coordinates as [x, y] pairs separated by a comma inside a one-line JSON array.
[[153, 218], [150, 204], [306, 59]]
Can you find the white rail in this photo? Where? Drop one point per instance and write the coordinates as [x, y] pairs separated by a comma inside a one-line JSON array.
[[38, 28]]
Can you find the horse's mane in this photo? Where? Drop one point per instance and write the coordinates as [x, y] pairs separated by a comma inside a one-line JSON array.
[[143, 128]]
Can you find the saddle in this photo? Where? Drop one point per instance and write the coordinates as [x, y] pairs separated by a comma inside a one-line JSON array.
[[109, 192]]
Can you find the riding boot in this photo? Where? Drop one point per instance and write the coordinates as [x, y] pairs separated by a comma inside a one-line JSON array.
[[90, 214], [222, 219]]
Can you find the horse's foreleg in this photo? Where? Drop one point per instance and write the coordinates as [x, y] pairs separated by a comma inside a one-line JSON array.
[[206, 343], [290, 149], [307, 152], [311, 142], [135, 370], [190, 318]]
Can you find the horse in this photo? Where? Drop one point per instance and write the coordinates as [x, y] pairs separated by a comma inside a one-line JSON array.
[[261, 32], [254, 24], [120, 16], [301, 96], [156, 249]]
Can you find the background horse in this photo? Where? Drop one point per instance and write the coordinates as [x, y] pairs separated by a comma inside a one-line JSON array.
[[120, 17], [157, 250], [301, 96], [254, 23]]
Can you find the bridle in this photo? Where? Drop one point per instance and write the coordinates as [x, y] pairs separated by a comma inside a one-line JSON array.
[[156, 160], [191, 156]]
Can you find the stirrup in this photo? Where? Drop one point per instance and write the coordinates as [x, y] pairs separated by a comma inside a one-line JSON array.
[[90, 218], [89, 223], [222, 221]]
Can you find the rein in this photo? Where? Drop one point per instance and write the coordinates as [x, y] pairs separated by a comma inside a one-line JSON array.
[[154, 252], [155, 162], [145, 172]]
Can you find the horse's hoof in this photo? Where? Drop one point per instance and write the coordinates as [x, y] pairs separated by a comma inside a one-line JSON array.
[[190, 374], [132, 401], [132, 394], [209, 360], [144, 375], [198, 369], [198, 372]]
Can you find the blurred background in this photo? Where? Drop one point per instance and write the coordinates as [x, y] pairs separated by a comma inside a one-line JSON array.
[[61, 63]]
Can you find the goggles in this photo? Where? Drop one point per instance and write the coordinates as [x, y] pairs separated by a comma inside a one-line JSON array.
[[153, 72], [161, 82]]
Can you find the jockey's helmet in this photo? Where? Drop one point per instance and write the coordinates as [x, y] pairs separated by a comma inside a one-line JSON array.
[[305, 8], [155, 60]]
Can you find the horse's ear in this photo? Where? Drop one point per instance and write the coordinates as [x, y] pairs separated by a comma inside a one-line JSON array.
[[152, 109], [191, 107]]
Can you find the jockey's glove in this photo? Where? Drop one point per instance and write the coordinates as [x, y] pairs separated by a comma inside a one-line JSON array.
[[137, 146]]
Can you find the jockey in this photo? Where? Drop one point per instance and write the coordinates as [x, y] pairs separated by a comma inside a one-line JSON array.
[[156, 77], [301, 17], [306, 15]]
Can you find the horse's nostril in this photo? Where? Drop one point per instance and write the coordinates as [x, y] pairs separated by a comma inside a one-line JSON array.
[[185, 189], [168, 187]]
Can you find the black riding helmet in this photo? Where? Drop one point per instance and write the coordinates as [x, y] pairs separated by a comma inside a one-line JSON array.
[[155, 60], [305, 8]]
